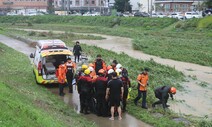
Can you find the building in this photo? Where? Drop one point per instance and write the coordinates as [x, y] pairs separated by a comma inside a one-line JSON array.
[[168, 6], [134, 4], [24, 6], [176, 5], [81, 5]]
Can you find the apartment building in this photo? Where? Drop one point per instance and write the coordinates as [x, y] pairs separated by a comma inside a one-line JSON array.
[[24, 4], [81, 5]]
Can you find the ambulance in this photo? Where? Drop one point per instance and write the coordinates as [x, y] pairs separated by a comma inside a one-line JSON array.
[[46, 59]]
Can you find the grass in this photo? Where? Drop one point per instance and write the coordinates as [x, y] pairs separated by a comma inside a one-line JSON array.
[[190, 45], [24, 103]]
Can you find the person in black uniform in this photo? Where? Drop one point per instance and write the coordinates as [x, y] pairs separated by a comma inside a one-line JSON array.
[[70, 73], [77, 51], [116, 90], [126, 86], [162, 93], [100, 91], [85, 91]]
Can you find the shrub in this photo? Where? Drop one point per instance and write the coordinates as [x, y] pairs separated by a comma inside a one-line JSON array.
[[32, 33]]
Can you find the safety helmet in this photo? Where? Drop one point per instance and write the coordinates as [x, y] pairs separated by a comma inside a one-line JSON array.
[[101, 71], [118, 71], [118, 66], [84, 66], [173, 90], [91, 68], [109, 67], [87, 72], [110, 71], [91, 65]]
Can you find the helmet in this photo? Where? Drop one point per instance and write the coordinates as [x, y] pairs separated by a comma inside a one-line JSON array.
[[91, 68], [173, 90], [109, 67], [101, 71], [118, 71], [84, 66], [110, 71], [118, 66], [91, 65], [87, 71]]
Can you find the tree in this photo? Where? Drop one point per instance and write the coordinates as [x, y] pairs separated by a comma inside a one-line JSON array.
[[122, 5], [208, 3], [140, 6]]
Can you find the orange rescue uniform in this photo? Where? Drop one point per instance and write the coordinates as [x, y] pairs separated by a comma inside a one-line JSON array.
[[62, 73], [143, 79]]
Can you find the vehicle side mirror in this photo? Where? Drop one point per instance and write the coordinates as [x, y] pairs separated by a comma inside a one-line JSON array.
[[31, 55]]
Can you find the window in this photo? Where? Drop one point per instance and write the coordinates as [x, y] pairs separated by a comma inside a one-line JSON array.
[[93, 2], [176, 7], [70, 2], [185, 7], [77, 2], [167, 7]]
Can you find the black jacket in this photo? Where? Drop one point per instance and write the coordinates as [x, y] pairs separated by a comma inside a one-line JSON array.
[[77, 49]]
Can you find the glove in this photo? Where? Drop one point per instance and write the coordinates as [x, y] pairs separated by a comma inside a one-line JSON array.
[[129, 89]]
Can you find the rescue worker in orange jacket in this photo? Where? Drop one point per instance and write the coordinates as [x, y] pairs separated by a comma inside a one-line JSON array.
[[85, 91], [71, 70], [162, 93], [62, 78], [142, 80], [99, 64], [100, 87]]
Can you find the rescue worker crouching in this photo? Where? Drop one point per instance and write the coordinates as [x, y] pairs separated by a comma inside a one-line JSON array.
[[71, 70], [85, 91], [61, 76], [100, 91], [162, 93]]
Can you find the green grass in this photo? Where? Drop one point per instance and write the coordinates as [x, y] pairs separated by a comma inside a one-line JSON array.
[[23, 103], [187, 43]]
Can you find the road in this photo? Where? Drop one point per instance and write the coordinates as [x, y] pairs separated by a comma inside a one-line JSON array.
[[73, 99]]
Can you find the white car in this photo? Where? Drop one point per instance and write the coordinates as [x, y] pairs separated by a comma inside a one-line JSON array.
[[161, 15], [189, 15], [34, 13], [95, 14], [177, 15], [11, 13]]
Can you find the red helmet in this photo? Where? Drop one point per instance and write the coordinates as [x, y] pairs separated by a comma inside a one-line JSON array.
[[173, 90], [109, 67], [101, 71]]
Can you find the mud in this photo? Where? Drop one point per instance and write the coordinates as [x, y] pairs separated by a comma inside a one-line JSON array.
[[73, 99], [196, 100]]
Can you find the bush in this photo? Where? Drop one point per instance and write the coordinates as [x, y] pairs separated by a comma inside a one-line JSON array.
[[32, 33], [205, 22], [93, 21]]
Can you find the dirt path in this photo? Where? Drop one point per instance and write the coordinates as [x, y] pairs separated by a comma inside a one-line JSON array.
[[197, 100], [73, 99]]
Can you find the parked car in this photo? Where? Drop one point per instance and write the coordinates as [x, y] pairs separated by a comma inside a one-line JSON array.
[[207, 12], [91, 14], [119, 14], [154, 15], [161, 15], [141, 14], [127, 14], [11, 13], [177, 15], [34, 13], [189, 15]]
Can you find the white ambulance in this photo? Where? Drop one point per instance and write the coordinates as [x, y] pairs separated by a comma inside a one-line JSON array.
[[47, 57]]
